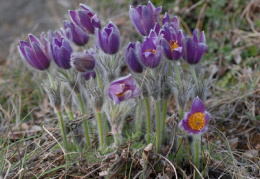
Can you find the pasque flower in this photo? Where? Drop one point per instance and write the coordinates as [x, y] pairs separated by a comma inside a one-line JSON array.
[[145, 17], [35, 53], [123, 89], [151, 51], [61, 51], [194, 48], [74, 33], [196, 121], [82, 61], [172, 38], [133, 57], [109, 39], [86, 19]]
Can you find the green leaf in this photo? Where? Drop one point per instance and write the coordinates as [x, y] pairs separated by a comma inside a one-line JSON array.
[[253, 51]]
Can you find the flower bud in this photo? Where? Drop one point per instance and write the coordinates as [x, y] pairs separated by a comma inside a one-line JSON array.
[[109, 39]]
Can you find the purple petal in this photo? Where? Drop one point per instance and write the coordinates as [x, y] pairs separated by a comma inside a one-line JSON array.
[[33, 39], [148, 20], [202, 38], [136, 19], [189, 50], [133, 59], [166, 19], [41, 57], [167, 49], [197, 106], [195, 36], [32, 59], [200, 51], [85, 21], [65, 58], [113, 41]]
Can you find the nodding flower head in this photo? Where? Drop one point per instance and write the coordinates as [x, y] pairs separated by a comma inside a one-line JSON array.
[[145, 17], [194, 48], [109, 39], [36, 53], [86, 19], [74, 33], [151, 51], [82, 61], [123, 89], [196, 121]]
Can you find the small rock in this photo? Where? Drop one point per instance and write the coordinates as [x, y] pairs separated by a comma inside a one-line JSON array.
[[250, 154], [233, 143]]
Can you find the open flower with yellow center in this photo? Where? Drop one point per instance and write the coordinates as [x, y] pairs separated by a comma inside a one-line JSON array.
[[151, 52], [196, 121], [172, 38]]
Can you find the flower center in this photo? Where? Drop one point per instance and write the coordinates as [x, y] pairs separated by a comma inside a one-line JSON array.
[[197, 121], [151, 50], [122, 93], [173, 44]]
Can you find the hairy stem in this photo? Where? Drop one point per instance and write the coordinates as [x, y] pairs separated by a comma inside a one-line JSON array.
[[148, 121], [165, 103], [63, 131], [85, 123], [138, 117], [194, 76], [196, 156], [100, 130], [158, 126]]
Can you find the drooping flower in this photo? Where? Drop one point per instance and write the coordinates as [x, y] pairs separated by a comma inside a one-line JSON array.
[[61, 51], [82, 61], [123, 89], [151, 51], [172, 38], [74, 33], [133, 57], [86, 19], [145, 17], [35, 53], [109, 39], [194, 49], [196, 121]]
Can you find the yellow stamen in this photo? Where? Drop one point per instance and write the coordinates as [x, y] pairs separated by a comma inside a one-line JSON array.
[[149, 50], [122, 93], [173, 44], [197, 121]]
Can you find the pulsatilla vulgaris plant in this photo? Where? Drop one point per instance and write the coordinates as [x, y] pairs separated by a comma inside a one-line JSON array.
[[95, 85]]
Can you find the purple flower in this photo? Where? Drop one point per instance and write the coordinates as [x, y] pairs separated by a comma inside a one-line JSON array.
[[194, 49], [196, 121], [82, 62], [86, 19], [145, 17], [74, 33], [123, 89], [61, 51], [151, 51], [88, 75], [109, 39], [174, 23], [172, 38], [35, 53], [133, 57]]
